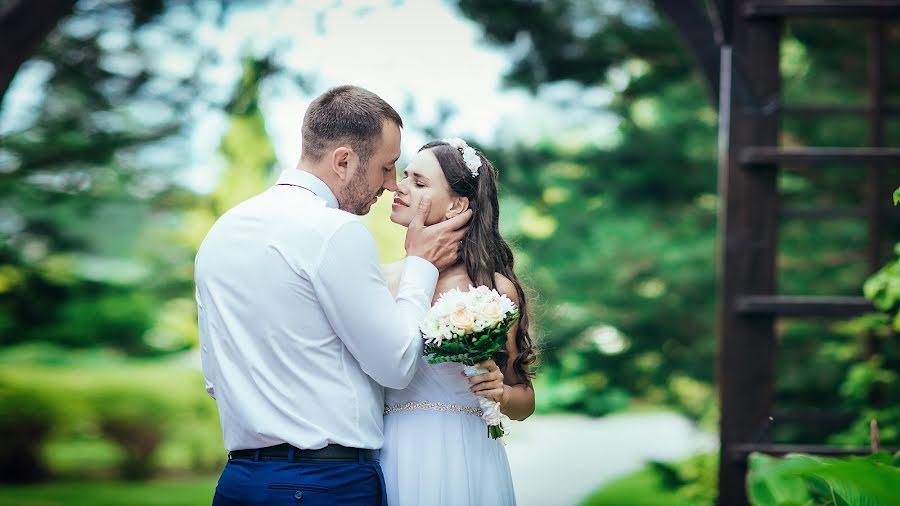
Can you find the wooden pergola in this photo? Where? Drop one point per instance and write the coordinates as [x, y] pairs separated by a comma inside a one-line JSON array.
[[736, 44]]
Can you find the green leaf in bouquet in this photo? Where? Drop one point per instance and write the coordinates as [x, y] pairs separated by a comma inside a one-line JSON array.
[[471, 348]]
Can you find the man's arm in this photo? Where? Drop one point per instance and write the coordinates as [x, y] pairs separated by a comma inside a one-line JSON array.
[[205, 364], [381, 333]]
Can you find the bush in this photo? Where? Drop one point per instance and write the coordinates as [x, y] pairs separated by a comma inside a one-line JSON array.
[[136, 424], [803, 479], [688, 482], [111, 416], [26, 419]]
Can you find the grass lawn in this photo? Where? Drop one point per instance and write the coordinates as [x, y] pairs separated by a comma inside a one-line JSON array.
[[642, 488], [189, 492]]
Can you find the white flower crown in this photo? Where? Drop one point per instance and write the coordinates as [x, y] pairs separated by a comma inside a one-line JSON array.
[[473, 161]]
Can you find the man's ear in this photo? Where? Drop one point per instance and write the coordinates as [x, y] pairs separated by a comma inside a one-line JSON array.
[[343, 162], [457, 205]]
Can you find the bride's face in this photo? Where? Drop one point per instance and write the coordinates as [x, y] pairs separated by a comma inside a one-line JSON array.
[[423, 176]]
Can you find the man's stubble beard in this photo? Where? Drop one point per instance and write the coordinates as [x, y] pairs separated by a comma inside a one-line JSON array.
[[355, 197]]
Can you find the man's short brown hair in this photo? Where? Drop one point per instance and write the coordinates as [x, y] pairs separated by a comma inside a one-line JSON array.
[[345, 114]]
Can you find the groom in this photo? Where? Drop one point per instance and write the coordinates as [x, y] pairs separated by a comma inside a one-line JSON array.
[[298, 331]]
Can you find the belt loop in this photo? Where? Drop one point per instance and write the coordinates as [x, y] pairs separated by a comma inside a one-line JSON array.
[[362, 455], [256, 454], [291, 454]]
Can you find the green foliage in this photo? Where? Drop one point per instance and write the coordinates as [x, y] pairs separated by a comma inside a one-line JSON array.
[[883, 289], [98, 234], [802, 479], [644, 488], [138, 428], [876, 377], [617, 234], [109, 414], [190, 492], [245, 145], [471, 348], [699, 478], [689, 482], [26, 419], [76, 180]]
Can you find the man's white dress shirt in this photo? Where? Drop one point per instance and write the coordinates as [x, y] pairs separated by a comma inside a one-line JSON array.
[[298, 330]]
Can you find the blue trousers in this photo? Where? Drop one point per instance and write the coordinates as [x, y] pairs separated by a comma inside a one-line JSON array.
[[250, 482]]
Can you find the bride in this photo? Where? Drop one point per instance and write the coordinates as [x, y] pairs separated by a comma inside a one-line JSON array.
[[436, 446]]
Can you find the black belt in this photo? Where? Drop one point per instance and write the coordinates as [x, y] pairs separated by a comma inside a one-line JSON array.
[[290, 453]]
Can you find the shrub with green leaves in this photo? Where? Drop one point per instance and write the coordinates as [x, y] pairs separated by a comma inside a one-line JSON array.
[[873, 480], [138, 427], [26, 419], [90, 415]]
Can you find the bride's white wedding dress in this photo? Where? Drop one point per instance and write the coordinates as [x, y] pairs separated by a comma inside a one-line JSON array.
[[436, 447]]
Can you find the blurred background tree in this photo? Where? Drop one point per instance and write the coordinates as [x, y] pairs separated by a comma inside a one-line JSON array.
[[91, 179]]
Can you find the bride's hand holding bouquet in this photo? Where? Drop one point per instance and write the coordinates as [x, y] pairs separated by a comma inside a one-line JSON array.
[[470, 327]]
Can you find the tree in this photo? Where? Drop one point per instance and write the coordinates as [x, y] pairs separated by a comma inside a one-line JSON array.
[[93, 162], [23, 26]]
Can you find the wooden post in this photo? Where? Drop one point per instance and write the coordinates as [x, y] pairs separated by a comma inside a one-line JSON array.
[[748, 236], [878, 194]]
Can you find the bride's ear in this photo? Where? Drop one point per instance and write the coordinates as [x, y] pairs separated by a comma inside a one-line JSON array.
[[457, 205]]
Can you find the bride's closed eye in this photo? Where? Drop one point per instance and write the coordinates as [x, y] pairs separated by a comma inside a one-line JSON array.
[[416, 182]]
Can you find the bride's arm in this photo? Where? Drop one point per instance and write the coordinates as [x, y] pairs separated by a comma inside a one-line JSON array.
[[392, 273], [515, 397], [517, 401]]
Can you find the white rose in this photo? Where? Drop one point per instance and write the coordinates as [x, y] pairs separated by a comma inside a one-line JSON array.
[[462, 320], [492, 311]]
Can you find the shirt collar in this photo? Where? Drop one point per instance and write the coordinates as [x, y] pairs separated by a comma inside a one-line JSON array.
[[310, 182]]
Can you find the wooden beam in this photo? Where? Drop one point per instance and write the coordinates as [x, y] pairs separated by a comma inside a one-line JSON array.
[[767, 155], [831, 8], [802, 306], [696, 28], [724, 14], [822, 213], [834, 109], [748, 223], [878, 192], [814, 416], [739, 452]]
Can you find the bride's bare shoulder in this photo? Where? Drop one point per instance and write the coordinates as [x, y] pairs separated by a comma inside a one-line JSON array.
[[460, 279], [506, 287], [452, 278]]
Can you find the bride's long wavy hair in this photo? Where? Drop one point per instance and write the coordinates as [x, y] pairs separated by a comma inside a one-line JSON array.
[[484, 251]]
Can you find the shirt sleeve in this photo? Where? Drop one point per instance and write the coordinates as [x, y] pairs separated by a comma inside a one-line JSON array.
[[205, 363], [380, 332]]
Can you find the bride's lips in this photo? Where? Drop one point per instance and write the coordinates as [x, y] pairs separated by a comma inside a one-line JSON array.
[[399, 203]]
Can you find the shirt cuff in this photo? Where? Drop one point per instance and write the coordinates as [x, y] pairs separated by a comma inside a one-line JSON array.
[[420, 275]]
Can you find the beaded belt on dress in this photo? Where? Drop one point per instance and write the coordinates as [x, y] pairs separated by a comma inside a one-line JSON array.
[[433, 406]]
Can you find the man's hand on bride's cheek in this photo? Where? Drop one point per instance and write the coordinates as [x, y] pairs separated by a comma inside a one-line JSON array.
[[440, 243], [489, 384]]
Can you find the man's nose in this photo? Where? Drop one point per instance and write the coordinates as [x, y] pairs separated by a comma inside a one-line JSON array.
[[390, 183]]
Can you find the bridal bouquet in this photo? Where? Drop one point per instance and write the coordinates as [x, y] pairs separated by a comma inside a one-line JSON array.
[[469, 327]]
